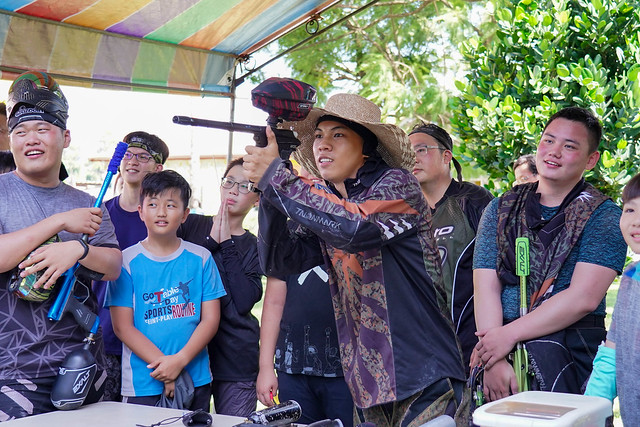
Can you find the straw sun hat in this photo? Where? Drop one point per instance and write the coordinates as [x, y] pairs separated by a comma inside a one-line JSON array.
[[393, 143]]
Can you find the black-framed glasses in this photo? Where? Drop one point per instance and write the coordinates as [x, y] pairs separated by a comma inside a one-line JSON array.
[[142, 157], [422, 150], [243, 187]]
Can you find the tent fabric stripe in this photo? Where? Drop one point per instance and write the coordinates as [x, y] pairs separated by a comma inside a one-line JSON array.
[[229, 26], [233, 23], [255, 35], [170, 45], [103, 14], [67, 56], [190, 21], [151, 17], [57, 11], [15, 4], [79, 53], [115, 59]]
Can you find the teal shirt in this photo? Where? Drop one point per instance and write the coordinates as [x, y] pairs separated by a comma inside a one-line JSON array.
[[601, 243]]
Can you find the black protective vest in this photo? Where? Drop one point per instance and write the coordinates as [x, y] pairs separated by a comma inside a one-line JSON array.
[[550, 241]]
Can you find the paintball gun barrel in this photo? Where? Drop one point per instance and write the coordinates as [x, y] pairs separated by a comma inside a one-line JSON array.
[[283, 99], [287, 141]]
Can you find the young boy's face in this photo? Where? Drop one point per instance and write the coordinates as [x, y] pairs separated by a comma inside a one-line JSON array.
[[337, 150], [630, 224], [163, 213], [238, 203], [133, 170], [37, 150], [563, 152]]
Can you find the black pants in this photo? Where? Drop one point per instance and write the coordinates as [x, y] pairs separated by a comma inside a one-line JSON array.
[[201, 399], [319, 397], [583, 339]]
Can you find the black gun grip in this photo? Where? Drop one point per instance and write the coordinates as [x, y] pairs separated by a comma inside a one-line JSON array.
[[287, 141], [261, 138]]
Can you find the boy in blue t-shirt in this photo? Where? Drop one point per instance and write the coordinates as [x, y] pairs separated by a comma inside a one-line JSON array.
[[165, 307]]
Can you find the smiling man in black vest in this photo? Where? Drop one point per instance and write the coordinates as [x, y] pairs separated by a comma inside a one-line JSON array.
[[576, 250]]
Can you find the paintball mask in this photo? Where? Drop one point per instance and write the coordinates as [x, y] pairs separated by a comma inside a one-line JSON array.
[[36, 96]]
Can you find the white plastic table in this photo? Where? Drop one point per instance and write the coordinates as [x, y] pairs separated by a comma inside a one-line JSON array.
[[110, 414]]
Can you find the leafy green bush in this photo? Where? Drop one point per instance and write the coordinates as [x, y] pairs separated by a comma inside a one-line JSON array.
[[544, 56]]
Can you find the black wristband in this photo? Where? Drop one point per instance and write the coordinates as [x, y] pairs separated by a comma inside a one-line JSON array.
[[86, 249]]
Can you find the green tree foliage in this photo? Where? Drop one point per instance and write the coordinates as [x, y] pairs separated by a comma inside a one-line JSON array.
[[546, 55], [400, 54]]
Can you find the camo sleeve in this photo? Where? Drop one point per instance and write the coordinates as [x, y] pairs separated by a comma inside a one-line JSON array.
[[390, 208]]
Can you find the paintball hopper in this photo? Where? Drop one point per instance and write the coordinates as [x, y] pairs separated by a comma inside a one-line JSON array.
[[284, 99]]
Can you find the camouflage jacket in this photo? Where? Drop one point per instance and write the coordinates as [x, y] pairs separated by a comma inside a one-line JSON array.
[[395, 335]]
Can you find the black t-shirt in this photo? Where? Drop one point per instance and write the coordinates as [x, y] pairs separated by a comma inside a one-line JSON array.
[[308, 341], [234, 350]]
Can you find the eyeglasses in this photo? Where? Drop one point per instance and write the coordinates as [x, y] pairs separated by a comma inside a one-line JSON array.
[[142, 158], [423, 149], [243, 187]]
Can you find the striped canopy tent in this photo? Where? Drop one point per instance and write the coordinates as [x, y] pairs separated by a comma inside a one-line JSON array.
[[174, 46]]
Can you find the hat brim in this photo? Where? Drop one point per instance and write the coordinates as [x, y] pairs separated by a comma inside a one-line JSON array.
[[393, 143]]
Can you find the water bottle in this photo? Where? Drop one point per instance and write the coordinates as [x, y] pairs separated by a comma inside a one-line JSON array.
[[74, 379]]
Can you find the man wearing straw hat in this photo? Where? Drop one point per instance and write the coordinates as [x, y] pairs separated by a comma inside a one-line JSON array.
[[370, 224]]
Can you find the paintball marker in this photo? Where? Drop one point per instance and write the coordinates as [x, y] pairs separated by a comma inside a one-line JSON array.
[[79, 367], [283, 99]]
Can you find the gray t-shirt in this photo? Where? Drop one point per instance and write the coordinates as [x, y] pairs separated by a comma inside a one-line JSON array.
[[625, 332], [601, 243], [31, 346]]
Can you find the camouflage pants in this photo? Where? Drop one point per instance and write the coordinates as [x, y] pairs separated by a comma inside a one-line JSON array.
[[445, 397]]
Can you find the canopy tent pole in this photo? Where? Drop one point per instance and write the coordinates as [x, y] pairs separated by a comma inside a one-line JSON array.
[[232, 110], [308, 39]]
